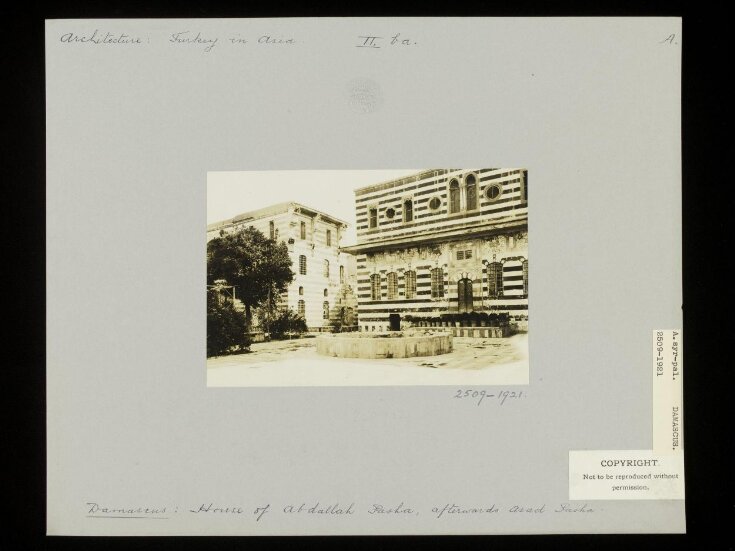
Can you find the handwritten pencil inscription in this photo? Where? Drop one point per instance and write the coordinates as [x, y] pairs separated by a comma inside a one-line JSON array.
[[100, 38], [377, 42]]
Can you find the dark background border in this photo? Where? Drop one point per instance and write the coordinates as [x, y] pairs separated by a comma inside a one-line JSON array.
[[707, 149]]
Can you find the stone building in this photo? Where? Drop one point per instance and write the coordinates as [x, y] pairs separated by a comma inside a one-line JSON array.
[[324, 275], [441, 242]]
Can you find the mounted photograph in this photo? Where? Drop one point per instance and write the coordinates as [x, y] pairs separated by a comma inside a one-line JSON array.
[[367, 277]]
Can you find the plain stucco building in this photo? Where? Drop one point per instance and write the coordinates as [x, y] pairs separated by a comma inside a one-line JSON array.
[[324, 275]]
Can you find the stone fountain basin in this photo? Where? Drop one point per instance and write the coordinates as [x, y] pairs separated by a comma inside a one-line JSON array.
[[388, 344]]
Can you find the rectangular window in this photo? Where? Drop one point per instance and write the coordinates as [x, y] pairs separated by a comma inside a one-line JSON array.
[[373, 218], [302, 264], [410, 278], [303, 230], [464, 255], [375, 287], [329, 238], [392, 278], [495, 279], [272, 227], [437, 283]]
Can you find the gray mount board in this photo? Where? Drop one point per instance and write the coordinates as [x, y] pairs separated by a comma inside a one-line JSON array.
[[137, 118]]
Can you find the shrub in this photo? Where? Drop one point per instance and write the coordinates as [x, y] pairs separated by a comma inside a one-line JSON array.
[[285, 322], [227, 329]]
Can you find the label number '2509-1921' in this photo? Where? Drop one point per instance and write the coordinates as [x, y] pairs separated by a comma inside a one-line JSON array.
[[659, 353], [480, 395]]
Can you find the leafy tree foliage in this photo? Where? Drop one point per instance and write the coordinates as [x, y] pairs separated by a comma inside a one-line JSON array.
[[258, 267], [227, 329]]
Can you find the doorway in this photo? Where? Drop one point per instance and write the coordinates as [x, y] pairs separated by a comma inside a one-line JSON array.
[[395, 322], [465, 299]]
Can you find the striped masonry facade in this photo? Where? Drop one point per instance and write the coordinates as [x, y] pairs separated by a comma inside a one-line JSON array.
[[389, 203], [466, 268]]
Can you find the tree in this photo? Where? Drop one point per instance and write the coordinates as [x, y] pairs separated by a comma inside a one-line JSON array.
[[258, 267]]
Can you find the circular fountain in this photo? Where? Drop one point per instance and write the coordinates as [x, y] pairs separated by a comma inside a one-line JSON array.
[[387, 344]]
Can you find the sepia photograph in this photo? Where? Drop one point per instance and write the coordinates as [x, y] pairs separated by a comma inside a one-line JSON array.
[[369, 277]]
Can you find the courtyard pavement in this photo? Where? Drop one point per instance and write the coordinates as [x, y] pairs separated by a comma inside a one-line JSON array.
[[296, 363]]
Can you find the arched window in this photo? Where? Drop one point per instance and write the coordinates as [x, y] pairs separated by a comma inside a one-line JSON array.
[[302, 309], [325, 310], [471, 191], [326, 292], [341, 274], [302, 264], [301, 290], [272, 228], [392, 279], [375, 287], [408, 210], [326, 268], [410, 280], [453, 196], [495, 280], [303, 230], [437, 283], [525, 277]]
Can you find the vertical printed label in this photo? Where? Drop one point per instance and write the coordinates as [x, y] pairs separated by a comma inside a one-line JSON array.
[[667, 391]]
